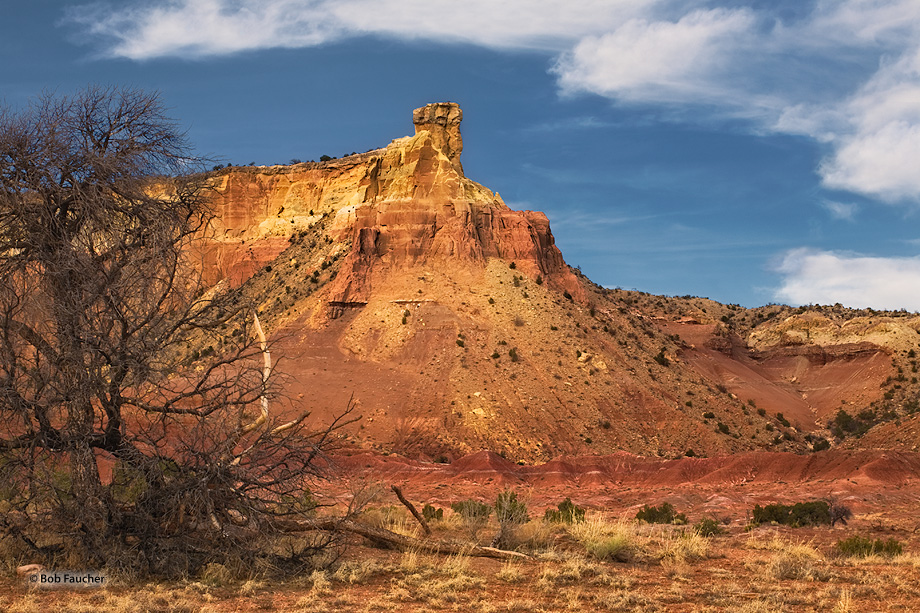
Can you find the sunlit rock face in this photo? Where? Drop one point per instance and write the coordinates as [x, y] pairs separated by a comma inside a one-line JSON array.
[[407, 204]]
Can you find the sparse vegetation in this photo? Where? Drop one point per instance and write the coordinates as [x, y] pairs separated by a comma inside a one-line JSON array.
[[431, 513], [473, 514], [796, 515], [862, 547], [708, 527], [664, 514], [566, 512]]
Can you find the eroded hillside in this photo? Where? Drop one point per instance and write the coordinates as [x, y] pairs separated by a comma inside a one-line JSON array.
[[457, 326]]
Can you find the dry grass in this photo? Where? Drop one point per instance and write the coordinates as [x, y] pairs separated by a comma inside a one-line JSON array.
[[797, 561], [668, 568], [607, 540], [511, 572], [684, 546]]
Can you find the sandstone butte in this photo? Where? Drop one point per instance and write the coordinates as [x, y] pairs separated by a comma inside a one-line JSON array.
[[456, 325]]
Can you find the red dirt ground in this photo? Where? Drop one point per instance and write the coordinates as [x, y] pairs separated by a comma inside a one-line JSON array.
[[880, 484]]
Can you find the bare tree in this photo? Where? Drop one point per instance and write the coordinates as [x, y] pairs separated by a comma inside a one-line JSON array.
[[134, 419]]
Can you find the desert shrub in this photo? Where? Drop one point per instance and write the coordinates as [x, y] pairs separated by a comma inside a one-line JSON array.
[[473, 514], [513, 354], [664, 514], [471, 508], [845, 424], [839, 512], [799, 514], [708, 415], [661, 358], [566, 512], [708, 527], [510, 510], [431, 513], [820, 444], [782, 420], [723, 428], [862, 547], [511, 513]]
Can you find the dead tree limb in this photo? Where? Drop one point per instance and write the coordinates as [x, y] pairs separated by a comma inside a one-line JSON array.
[[398, 540], [412, 509]]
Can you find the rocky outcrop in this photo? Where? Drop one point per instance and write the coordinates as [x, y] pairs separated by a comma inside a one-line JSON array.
[[442, 122], [408, 204]]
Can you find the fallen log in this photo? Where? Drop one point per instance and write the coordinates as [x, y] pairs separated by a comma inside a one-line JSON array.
[[401, 541]]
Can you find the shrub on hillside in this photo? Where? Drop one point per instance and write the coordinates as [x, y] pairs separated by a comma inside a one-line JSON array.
[[431, 513], [473, 514], [796, 515], [566, 512], [708, 527], [862, 547], [510, 510], [664, 514]]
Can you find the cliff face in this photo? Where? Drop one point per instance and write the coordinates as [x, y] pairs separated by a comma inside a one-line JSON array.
[[406, 204]]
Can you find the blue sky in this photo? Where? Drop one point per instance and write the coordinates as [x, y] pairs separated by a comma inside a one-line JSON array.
[[749, 151]]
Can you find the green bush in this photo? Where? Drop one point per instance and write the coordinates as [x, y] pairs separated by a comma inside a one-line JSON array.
[[471, 509], [799, 514], [708, 527], [861, 547], [665, 514], [430, 513], [567, 513], [509, 510], [473, 515]]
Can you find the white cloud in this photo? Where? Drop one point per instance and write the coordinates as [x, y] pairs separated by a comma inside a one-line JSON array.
[[827, 277], [657, 60], [845, 72], [216, 27], [879, 157], [841, 210]]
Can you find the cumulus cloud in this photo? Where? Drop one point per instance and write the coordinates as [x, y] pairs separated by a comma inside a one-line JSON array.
[[827, 277], [845, 72], [879, 156], [657, 60]]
